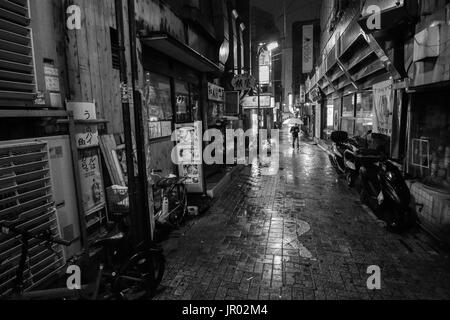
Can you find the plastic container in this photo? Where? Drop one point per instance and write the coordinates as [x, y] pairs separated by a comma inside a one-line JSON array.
[[118, 200]]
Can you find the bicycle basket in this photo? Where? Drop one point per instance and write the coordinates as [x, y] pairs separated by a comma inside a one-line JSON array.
[[118, 200]]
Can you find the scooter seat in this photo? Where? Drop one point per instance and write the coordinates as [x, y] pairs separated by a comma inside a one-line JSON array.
[[109, 240]]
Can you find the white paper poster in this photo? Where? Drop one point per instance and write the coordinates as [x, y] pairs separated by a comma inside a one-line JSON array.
[[91, 180], [383, 98]]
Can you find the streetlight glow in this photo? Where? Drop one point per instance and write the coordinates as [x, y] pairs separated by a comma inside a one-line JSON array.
[[272, 46]]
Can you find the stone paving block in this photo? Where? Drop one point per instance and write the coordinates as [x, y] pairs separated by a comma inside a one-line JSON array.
[[252, 232]]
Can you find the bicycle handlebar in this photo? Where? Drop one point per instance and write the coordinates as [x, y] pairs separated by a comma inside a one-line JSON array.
[[7, 227]]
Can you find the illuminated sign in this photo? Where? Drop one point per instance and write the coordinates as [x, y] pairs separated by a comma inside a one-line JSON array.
[[252, 102]]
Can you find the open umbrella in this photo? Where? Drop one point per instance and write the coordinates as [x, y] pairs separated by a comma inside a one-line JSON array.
[[292, 121]]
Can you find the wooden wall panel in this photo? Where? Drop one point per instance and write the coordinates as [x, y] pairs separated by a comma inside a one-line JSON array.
[[92, 76]]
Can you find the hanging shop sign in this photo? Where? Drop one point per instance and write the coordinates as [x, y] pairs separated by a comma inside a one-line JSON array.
[[243, 82], [383, 96], [86, 135], [91, 181], [215, 93], [308, 48], [302, 98], [252, 102], [315, 95]]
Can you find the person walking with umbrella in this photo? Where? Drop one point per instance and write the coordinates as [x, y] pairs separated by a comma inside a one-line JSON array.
[[295, 131]]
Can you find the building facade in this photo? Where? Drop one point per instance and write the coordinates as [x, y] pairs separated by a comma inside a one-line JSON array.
[[388, 76], [136, 70]]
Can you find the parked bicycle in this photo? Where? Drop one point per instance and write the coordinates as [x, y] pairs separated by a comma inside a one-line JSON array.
[[19, 291], [170, 198], [130, 272], [122, 271]]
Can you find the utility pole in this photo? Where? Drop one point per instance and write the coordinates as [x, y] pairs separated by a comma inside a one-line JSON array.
[[145, 217], [127, 126]]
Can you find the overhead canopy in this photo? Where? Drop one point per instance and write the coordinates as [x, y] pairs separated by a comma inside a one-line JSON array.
[[181, 52]]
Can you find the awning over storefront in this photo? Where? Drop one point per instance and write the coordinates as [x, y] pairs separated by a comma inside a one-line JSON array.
[[179, 51], [355, 63]]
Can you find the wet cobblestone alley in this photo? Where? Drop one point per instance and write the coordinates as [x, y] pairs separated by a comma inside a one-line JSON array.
[[300, 234]]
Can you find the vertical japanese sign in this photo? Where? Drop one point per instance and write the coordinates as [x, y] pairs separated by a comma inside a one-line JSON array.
[[264, 67], [383, 98], [91, 180], [308, 48], [86, 134], [215, 93], [302, 93]]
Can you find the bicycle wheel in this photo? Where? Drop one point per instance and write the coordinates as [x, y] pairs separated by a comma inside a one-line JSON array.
[[178, 215], [140, 276]]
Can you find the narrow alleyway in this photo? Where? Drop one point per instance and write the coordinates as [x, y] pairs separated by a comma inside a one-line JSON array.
[[301, 234]]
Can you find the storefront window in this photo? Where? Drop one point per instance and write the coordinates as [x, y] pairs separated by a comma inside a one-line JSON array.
[[364, 113], [348, 106], [330, 117], [430, 139], [348, 114], [364, 105], [195, 103], [187, 102], [157, 98], [348, 125], [183, 112]]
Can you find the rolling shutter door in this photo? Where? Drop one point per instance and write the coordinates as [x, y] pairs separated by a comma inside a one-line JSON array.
[[17, 81], [26, 194]]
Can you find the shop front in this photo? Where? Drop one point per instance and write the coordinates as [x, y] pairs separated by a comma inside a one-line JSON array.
[[174, 98], [429, 158], [429, 141]]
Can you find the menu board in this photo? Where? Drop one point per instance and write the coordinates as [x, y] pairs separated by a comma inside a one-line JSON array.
[[156, 97], [189, 147]]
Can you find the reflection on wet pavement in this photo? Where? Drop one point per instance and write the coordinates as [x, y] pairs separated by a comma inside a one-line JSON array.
[[299, 234]]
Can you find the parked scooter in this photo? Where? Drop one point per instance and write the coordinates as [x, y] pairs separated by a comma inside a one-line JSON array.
[[342, 156], [385, 191]]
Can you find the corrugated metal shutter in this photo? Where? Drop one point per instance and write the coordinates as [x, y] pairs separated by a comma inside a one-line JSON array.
[[17, 85], [26, 193]]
